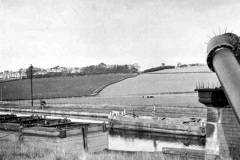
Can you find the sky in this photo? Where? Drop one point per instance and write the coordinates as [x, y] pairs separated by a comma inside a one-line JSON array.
[[78, 33]]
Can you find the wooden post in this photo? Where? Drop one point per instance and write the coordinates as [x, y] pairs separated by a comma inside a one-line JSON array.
[[84, 133], [31, 67]]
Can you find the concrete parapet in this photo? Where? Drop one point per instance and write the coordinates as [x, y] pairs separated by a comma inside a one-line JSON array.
[[222, 130]]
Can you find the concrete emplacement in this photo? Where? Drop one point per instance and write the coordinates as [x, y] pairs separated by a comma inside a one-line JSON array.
[[223, 113]]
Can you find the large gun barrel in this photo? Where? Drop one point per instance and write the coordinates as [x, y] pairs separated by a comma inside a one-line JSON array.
[[223, 55]]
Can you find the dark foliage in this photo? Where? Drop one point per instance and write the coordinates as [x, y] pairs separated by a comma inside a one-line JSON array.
[[101, 69], [104, 69], [158, 69]]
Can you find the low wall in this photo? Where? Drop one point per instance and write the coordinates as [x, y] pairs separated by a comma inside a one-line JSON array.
[[94, 142], [72, 138]]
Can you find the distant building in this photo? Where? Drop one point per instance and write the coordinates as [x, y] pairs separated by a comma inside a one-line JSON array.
[[15, 75]]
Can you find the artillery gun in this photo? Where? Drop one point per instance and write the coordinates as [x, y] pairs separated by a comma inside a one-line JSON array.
[[223, 59]]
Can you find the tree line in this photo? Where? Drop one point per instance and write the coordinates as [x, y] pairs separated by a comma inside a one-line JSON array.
[[158, 68], [112, 69], [88, 70]]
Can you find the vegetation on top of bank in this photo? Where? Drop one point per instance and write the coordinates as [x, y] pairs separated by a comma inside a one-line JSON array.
[[57, 71], [164, 67], [158, 69], [100, 69]]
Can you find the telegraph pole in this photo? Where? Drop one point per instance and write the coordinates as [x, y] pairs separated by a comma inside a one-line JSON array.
[[4, 87], [1, 95], [31, 68]]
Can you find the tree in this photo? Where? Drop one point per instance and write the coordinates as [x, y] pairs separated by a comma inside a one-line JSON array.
[[6, 74], [28, 71], [20, 73], [136, 66], [63, 69], [163, 64], [126, 70], [102, 65], [69, 70], [56, 68], [76, 69], [179, 64]]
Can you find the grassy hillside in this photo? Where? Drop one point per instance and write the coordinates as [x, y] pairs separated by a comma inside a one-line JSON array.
[[166, 89], [160, 84], [57, 87]]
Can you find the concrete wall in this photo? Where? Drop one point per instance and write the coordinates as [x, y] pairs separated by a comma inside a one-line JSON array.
[[94, 142], [223, 134]]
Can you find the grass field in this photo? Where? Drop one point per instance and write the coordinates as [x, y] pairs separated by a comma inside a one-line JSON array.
[[168, 90], [57, 87], [18, 151], [166, 105], [173, 88], [160, 100], [160, 83]]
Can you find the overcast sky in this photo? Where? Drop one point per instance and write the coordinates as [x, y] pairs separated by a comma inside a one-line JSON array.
[[77, 33]]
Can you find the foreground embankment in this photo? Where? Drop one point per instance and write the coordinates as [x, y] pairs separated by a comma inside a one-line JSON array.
[[14, 150]]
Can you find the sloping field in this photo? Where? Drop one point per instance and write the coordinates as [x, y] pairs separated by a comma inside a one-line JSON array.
[[160, 84], [175, 87], [131, 101], [57, 87], [193, 69]]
